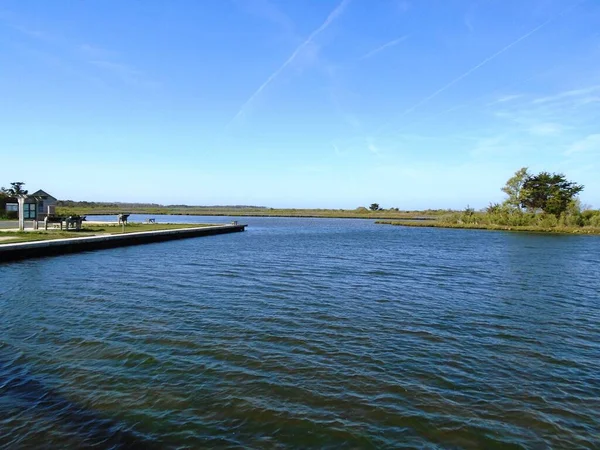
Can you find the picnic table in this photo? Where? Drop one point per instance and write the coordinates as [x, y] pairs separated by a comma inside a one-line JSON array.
[[71, 222], [74, 222]]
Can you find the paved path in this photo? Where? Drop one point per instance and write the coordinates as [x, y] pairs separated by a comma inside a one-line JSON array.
[[9, 224], [22, 250]]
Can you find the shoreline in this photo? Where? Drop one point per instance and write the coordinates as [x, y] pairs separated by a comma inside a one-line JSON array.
[[327, 214], [55, 247], [590, 231]]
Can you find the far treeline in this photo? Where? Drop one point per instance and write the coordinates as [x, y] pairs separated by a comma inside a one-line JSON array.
[[71, 207], [133, 205], [537, 202], [534, 202]]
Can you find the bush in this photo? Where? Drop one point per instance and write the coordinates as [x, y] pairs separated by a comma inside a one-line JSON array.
[[494, 208], [571, 220], [591, 218], [594, 221], [547, 220]]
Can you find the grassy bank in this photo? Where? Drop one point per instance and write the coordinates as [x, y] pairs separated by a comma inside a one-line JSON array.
[[496, 227], [359, 213], [11, 237]]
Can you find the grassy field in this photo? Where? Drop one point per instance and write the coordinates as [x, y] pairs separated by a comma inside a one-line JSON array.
[[473, 226], [361, 213], [86, 231]]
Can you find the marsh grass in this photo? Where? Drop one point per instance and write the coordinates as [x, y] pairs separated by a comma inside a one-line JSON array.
[[359, 213], [523, 222]]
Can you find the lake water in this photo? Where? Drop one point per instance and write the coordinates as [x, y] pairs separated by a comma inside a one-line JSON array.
[[302, 333]]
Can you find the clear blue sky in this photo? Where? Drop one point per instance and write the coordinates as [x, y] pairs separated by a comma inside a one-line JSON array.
[[322, 103]]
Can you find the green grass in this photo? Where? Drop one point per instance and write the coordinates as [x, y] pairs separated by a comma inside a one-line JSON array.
[[89, 230], [254, 212], [481, 226]]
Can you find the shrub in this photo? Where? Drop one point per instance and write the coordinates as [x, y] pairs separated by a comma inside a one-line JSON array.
[[591, 217], [594, 221], [547, 220], [493, 208]]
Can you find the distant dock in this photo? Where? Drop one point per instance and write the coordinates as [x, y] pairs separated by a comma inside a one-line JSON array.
[[25, 250]]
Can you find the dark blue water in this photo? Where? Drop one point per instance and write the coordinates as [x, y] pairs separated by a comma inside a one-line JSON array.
[[306, 333]]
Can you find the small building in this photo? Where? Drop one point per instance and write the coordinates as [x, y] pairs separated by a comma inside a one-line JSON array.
[[37, 205]]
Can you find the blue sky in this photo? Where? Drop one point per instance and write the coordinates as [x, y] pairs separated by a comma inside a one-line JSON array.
[[328, 103]]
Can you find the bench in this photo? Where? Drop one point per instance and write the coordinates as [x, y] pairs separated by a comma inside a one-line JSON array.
[[71, 222], [56, 220], [74, 222]]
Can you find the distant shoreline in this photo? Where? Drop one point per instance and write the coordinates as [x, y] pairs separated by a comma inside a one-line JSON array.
[[303, 213], [491, 227], [299, 216]]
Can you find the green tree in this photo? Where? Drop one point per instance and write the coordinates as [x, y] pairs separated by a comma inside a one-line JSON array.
[[551, 193], [513, 187], [15, 189], [374, 207], [493, 208]]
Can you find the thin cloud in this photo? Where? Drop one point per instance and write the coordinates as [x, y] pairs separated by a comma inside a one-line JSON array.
[[468, 24], [383, 47], [96, 53], [587, 144], [469, 17], [337, 150], [568, 94], [332, 16], [483, 63], [372, 147], [495, 92], [506, 98], [268, 11], [545, 129], [126, 73], [85, 53]]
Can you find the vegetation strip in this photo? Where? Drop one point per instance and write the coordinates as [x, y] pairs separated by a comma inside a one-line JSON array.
[[493, 227], [541, 203], [358, 213]]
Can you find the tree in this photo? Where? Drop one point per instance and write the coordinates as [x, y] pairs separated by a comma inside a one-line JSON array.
[[551, 193], [374, 207], [513, 187], [15, 189]]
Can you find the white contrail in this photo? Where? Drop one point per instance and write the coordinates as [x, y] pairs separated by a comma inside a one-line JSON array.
[[332, 16], [481, 64], [383, 47]]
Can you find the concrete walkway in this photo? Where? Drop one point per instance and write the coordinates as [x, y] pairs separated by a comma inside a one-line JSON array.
[[23, 250], [13, 224]]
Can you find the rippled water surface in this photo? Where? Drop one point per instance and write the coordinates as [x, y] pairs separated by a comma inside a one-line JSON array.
[[304, 333]]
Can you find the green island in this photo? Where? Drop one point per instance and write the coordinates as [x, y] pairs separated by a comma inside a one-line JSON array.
[[544, 203], [88, 230]]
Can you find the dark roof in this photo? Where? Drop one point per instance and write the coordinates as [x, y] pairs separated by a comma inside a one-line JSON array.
[[41, 193]]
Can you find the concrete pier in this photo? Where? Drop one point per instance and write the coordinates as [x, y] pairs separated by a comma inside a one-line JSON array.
[[24, 250]]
